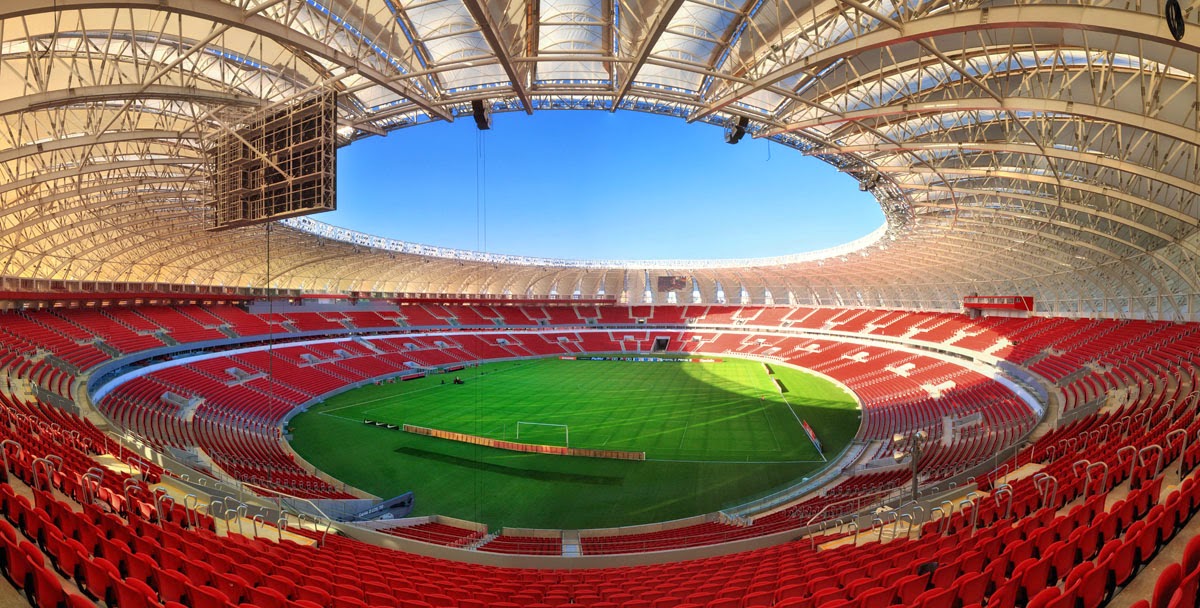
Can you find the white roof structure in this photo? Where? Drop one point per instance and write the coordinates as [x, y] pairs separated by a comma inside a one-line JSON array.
[[1034, 148]]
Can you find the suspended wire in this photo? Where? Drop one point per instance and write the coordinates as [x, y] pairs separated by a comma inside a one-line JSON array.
[[483, 188], [480, 245], [270, 332], [478, 194], [480, 191]]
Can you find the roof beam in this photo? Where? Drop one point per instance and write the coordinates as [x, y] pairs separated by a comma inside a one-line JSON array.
[[1006, 104], [229, 15], [492, 35], [1091, 158], [110, 92], [66, 143], [661, 20], [1104, 191], [1144, 26], [102, 168]]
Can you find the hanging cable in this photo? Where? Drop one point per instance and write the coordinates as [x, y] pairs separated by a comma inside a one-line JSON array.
[[480, 245], [483, 136], [270, 330], [480, 191], [478, 196]]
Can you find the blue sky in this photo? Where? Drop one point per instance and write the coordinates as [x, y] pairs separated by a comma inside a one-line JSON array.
[[582, 184]]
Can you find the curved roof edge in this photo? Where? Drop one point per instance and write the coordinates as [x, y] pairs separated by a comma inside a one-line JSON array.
[[346, 235]]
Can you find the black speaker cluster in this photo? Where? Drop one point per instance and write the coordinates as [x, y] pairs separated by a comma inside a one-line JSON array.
[[736, 130], [482, 113], [1174, 15]]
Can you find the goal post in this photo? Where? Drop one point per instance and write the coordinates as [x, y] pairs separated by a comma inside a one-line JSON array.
[[566, 430]]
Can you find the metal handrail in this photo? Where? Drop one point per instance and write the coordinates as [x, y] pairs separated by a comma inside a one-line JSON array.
[[974, 513], [947, 516], [1075, 466], [141, 465], [941, 518], [1004, 489], [4, 452], [1047, 486], [159, 502], [1087, 480], [1132, 451], [232, 515], [922, 519], [86, 482], [973, 498], [1156, 448], [911, 525], [48, 467], [130, 483], [190, 504], [996, 470], [1182, 434]]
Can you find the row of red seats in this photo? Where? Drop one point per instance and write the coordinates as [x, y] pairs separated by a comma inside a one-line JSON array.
[[437, 533], [989, 561]]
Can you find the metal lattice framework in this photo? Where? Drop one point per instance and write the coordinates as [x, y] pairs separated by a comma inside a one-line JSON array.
[[1041, 148]]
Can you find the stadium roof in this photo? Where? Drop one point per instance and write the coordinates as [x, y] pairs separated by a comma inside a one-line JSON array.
[[1045, 149]]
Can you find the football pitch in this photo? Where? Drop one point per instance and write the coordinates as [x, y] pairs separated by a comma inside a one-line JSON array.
[[714, 435]]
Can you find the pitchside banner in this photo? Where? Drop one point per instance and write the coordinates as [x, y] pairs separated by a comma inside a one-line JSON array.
[[639, 359], [811, 435]]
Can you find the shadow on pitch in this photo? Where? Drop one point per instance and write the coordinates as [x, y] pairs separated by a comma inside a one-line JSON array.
[[595, 480]]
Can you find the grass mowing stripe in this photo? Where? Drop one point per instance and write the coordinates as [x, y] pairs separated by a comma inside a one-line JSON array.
[[718, 434]]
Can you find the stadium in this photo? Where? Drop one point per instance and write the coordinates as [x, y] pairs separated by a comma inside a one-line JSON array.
[[214, 399]]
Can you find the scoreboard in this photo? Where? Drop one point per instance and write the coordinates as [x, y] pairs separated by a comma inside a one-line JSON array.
[[276, 166]]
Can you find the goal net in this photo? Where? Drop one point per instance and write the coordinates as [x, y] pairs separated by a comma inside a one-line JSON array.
[[543, 433]]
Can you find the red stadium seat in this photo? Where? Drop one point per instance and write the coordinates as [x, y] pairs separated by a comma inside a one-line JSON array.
[[47, 591], [1091, 582], [935, 598], [873, 598], [1166, 586], [971, 588], [78, 601], [99, 575], [1191, 555], [1044, 598], [207, 597], [133, 593], [173, 586]]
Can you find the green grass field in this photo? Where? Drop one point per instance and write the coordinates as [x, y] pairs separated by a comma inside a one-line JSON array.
[[714, 434]]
